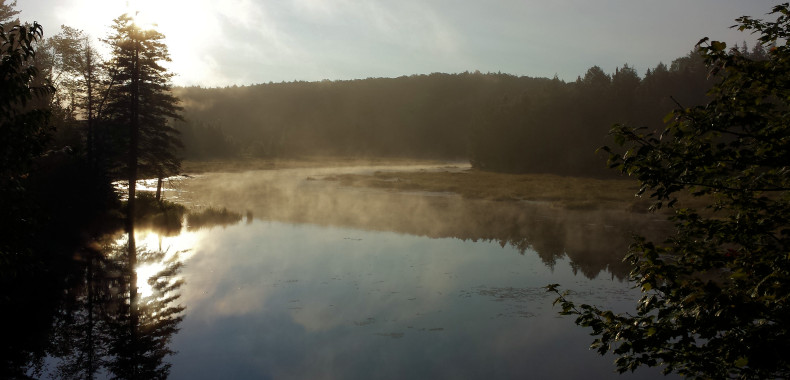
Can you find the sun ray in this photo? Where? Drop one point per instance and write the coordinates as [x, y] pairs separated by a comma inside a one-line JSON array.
[[144, 13]]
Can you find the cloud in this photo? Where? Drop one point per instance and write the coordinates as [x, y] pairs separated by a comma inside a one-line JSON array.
[[253, 41]]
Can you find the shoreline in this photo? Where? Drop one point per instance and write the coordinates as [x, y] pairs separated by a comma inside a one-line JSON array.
[[571, 193]]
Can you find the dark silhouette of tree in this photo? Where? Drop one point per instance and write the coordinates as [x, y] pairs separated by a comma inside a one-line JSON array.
[[72, 64], [625, 84], [596, 79], [7, 12], [141, 330], [97, 329], [714, 295], [206, 140], [758, 53], [140, 105], [81, 336], [56, 288], [76, 71], [499, 122], [23, 123], [141, 102]]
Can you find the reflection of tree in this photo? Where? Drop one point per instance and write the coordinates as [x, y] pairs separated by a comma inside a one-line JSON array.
[[82, 336], [100, 323], [593, 241], [28, 305], [141, 327], [548, 240]]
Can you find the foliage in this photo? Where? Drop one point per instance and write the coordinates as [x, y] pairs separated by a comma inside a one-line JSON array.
[[204, 140], [499, 122], [97, 329], [7, 11], [52, 275], [141, 102], [140, 332], [23, 123], [72, 64], [715, 295], [24, 133]]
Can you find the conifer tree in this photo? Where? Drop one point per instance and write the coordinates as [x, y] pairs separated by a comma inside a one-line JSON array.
[[141, 102], [141, 106]]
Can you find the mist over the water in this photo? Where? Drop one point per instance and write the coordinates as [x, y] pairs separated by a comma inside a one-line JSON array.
[[595, 241]]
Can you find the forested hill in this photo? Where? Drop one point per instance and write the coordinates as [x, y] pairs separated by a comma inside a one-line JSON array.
[[499, 122], [418, 116]]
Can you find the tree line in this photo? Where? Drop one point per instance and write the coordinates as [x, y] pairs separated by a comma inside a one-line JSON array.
[[71, 122], [497, 121]]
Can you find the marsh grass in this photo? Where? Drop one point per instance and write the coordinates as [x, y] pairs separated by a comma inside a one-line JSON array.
[[245, 164], [572, 193], [210, 217], [160, 215]]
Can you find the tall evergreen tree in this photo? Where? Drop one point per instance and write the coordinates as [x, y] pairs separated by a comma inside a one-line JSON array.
[[141, 102]]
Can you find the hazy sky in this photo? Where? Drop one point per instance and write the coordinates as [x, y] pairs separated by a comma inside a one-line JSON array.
[[225, 42]]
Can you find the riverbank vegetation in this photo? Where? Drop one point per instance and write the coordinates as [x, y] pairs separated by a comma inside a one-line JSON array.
[[70, 124], [715, 293], [210, 216], [495, 121], [241, 164], [559, 191]]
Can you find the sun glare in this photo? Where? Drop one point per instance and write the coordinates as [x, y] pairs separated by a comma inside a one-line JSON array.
[[180, 245], [144, 273], [144, 13]]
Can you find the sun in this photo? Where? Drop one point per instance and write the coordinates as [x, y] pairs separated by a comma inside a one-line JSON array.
[[144, 13]]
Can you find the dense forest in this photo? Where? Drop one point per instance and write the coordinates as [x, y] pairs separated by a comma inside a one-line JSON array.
[[71, 123], [497, 121]]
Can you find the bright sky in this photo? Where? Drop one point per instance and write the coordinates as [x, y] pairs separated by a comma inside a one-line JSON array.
[[226, 42]]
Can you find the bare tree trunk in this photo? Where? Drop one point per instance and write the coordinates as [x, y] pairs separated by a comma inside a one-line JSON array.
[[159, 188], [134, 132], [88, 75]]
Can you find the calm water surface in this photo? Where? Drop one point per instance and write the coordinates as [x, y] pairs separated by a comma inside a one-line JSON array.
[[314, 280], [278, 300], [321, 281]]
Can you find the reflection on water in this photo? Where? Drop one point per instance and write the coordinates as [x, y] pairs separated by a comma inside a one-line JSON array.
[[283, 300], [105, 326], [321, 281], [594, 241], [348, 283]]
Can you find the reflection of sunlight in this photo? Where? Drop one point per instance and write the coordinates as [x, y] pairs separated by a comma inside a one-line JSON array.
[[144, 272], [182, 243], [146, 240], [169, 184]]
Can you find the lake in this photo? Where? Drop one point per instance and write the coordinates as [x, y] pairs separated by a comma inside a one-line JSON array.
[[314, 280]]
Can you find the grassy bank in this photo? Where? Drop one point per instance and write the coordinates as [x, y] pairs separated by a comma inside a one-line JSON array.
[[573, 193], [565, 192], [244, 164]]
